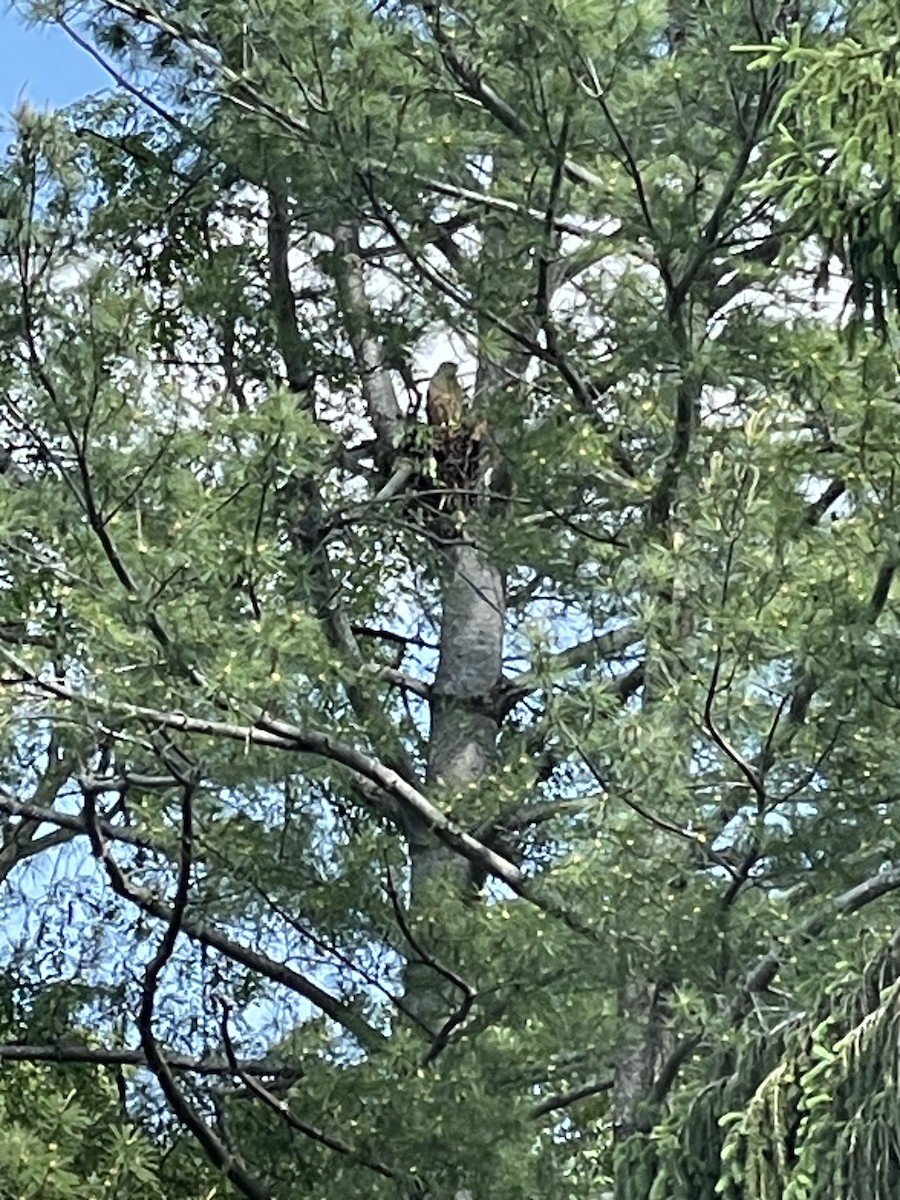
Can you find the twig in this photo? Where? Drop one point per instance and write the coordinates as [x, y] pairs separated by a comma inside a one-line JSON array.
[[440, 1039], [413, 1185]]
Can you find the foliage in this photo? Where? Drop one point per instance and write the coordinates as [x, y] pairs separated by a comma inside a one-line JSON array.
[[836, 172], [494, 810], [66, 1133]]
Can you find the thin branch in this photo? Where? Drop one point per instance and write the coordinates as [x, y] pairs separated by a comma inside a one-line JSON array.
[[440, 1039], [281, 1107], [700, 841], [713, 227], [218, 1153], [330, 949], [566, 1099], [750, 773], [271, 732], [391, 635], [104, 1056], [596, 91], [200, 932]]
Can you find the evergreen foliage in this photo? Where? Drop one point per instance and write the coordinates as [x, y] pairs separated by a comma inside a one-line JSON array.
[[491, 807]]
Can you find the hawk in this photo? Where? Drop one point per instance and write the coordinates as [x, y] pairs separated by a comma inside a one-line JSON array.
[[445, 403]]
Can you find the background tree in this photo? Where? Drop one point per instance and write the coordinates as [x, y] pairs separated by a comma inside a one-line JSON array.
[[487, 815]]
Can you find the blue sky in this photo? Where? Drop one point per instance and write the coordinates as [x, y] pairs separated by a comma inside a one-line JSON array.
[[42, 66]]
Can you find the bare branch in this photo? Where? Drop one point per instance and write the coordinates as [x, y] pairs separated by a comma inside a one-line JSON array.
[[277, 734]]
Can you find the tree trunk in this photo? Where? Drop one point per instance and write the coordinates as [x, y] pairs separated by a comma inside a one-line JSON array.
[[464, 729]]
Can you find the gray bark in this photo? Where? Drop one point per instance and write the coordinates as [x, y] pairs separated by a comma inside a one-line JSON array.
[[368, 353], [465, 724], [462, 746]]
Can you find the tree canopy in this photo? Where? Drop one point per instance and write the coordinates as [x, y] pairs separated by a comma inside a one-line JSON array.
[[452, 784]]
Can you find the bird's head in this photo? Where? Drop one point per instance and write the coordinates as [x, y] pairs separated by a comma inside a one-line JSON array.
[[447, 370]]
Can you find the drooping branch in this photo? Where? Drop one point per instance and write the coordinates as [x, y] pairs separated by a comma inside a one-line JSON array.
[[762, 973], [231, 1166], [200, 931]]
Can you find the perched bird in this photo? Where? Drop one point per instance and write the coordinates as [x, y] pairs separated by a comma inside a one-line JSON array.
[[445, 402]]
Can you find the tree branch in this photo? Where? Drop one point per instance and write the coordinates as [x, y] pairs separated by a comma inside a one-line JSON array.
[[199, 931], [104, 1056], [277, 734], [410, 1182], [218, 1153], [566, 1099], [602, 645]]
